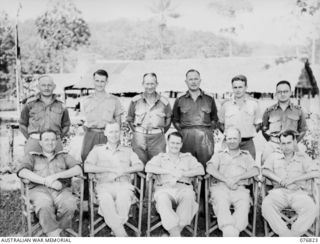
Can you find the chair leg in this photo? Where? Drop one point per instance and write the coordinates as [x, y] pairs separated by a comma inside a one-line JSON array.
[[81, 208], [91, 209], [149, 207], [207, 212], [140, 206], [255, 205], [28, 213]]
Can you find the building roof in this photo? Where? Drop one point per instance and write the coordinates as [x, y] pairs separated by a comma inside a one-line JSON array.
[[126, 76]]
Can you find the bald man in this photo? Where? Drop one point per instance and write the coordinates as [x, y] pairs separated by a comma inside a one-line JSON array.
[[43, 112], [232, 168]]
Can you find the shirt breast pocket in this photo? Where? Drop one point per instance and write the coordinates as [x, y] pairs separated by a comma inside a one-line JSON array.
[[280, 170], [36, 113], [206, 114], [59, 166], [185, 109], [56, 114], [293, 121], [41, 169], [275, 124], [139, 116]]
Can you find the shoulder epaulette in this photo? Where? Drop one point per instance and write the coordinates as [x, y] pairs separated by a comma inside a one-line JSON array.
[[186, 154], [297, 106], [136, 98], [62, 152], [225, 101], [31, 99], [164, 100], [182, 95], [244, 151], [207, 94], [272, 107], [99, 145]]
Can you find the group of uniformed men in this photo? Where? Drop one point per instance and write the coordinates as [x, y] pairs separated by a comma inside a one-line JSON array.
[[185, 153]]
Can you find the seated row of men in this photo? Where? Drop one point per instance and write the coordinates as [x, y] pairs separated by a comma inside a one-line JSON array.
[[50, 172]]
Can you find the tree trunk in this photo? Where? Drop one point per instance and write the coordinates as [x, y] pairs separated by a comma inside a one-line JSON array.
[[61, 63], [313, 51]]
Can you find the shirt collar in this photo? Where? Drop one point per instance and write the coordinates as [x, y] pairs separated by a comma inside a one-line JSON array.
[[189, 95], [38, 97], [244, 99], [227, 151], [296, 156], [43, 155], [289, 106], [143, 95], [118, 148]]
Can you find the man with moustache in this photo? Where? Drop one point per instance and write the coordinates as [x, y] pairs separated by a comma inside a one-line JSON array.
[[195, 117], [43, 112], [149, 118], [243, 112]]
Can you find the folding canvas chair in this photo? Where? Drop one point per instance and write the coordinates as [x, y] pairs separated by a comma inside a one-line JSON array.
[[134, 223], [29, 220], [289, 215], [154, 222], [211, 219]]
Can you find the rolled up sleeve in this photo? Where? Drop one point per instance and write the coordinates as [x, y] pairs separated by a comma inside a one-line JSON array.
[[26, 162]]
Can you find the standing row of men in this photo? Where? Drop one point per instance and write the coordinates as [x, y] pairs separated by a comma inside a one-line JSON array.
[[149, 116], [194, 115]]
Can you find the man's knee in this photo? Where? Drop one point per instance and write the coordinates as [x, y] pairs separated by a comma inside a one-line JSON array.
[[69, 205], [187, 194], [266, 206], [42, 204]]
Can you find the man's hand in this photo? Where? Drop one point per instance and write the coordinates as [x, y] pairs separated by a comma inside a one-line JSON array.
[[57, 185], [286, 182], [232, 183], [119, 171], [48, 181]]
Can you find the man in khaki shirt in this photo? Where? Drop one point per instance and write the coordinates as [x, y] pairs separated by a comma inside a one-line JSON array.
[[50, 172], [282, 116], [97, 110], [243, 112], [149, 117], [173, 170], [232, 168], [112, 164], [43, 112], [291, 171]]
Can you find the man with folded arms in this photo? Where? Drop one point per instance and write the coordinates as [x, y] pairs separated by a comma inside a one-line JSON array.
[[112, 165], [43, 112], [50, 174], [175, 170], [291, 170], [232, 168]]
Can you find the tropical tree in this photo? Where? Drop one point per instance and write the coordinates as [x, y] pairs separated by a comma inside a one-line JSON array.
[[62, 28], [163, 10], [230, 10], [7, 52]]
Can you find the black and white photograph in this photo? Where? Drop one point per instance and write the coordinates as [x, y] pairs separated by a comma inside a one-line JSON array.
[[159, 118]]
